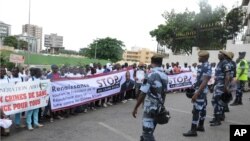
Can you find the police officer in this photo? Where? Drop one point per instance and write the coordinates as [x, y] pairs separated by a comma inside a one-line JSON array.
[[199, 99], [241, 77], [151, 92], [232, 86], [222, 79]]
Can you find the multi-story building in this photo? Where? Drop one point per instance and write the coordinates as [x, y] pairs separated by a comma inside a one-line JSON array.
[[246, 20], [34, 31], [53, 43], [5, 30], [140, 55]]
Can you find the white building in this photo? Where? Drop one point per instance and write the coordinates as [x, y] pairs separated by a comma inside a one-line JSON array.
[[33, 42], [36, 32], [5, 30], [53, 43]]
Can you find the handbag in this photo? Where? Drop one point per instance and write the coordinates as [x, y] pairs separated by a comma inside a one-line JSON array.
[[163, 115]]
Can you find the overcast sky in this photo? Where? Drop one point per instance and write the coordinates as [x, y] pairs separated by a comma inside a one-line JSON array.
[[82, 21]]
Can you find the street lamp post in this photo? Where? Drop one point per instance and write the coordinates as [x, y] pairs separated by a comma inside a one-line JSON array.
[[29, 45], [95, 49]]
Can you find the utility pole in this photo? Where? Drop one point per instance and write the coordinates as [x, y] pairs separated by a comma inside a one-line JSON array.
[[95, 48], [29, 45]]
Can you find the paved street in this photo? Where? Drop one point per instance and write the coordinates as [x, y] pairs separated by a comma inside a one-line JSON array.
[[116, 123]]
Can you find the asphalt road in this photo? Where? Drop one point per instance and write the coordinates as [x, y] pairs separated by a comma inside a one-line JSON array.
[[116, 123]]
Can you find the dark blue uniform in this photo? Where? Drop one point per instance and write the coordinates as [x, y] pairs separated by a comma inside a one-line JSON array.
[[199, 108], [157, 80], [220, 72]]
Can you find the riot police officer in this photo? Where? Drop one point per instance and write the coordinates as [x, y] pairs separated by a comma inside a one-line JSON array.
[[222, 80], [199, 99], [152, 92]]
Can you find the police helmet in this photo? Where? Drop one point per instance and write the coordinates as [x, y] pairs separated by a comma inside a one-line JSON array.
[[190, 92]]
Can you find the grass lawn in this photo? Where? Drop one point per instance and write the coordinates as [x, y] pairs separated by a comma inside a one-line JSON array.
[[39, 59]]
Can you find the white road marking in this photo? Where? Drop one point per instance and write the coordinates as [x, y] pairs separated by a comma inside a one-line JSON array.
[[208, 116], [129, 138]]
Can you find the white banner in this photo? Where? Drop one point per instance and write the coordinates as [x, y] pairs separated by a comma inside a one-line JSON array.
[[66, 93], [180, 81], [16, 98]]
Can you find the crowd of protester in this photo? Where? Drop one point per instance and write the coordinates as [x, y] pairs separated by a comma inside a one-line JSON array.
[[34, 118]]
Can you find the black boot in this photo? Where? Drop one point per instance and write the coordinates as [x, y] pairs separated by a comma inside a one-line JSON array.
[[222, 117], [201, 126], [192, 132], [240, 101], [226, 108], [235, 102], [217, 121]]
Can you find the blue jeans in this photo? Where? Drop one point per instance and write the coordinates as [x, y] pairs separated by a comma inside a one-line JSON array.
[[35, 117], [18, 118]]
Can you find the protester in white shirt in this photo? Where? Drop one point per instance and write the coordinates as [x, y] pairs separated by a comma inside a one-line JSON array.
[[3, 80], [36, 74], [16, 78]]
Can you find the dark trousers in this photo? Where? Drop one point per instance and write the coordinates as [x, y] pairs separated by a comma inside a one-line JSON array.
[[239, 92]]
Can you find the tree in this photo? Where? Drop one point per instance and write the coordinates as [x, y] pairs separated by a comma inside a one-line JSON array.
[[233, 21], [10, 41], [106, 48], [176, 25], [83, 51], [181, 31], [23, 45], [5, 57]]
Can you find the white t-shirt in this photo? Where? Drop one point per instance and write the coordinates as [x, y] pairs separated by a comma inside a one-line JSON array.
[[140, 75], [4, 80], [34, 79], [71, 75], [16, 79], [98, 71], [185, 69], [194, 70]]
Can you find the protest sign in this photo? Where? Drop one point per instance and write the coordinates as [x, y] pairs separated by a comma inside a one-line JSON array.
[[180, 81], [16, 98], [65, 93]]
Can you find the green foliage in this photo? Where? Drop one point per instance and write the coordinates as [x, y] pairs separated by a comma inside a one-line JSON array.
[[207, 29], [22, 45], [4, 59], [233, 19], [40, 59], [10, 41], [83, 51], [70, 52], [107, 48]]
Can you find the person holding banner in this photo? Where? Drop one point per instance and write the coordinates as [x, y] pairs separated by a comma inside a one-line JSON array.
[[3, 76], [54, 75], [139, 76], [199, 99], [5, 124], [152, 90], [3, 80], [16, 78], [34, 112]]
